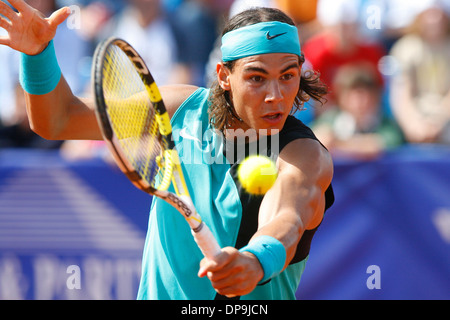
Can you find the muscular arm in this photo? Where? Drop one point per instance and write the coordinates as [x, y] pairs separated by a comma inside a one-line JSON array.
[[297, 200], [294, 204], [59, 115]]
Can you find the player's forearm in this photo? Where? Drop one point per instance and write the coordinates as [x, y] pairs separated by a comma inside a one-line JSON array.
[[54, 112], [274, 248], [286, 227], [59, 115], [286, 212], [294, 204]]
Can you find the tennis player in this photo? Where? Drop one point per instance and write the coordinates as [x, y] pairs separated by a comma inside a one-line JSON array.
[[265, 239]]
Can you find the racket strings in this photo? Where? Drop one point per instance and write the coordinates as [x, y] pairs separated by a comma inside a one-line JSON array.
[[131, 114]]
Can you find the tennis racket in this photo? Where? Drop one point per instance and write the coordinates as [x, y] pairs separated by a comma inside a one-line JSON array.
[[136, 127]]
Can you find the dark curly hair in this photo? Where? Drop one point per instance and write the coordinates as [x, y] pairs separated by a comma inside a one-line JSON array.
[[221, 111]]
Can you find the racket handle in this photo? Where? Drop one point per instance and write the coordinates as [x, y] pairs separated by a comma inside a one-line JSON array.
[[206, 241], [200, 231]]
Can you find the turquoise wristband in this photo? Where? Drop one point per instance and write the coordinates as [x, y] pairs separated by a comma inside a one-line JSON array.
[[270, 253], [40, 74]]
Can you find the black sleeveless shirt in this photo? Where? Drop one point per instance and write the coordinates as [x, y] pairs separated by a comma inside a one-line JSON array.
[[293, 129]]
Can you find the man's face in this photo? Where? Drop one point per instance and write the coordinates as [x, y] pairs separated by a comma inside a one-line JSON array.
[[263, 89]]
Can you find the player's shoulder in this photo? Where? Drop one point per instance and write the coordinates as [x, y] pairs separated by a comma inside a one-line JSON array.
[[308, 155], [306, 148], [175, 95]]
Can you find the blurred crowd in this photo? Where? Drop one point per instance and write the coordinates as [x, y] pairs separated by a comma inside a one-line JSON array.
[[386, 62]]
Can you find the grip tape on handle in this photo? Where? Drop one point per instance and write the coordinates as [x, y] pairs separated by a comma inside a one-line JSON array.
[[206, 242]]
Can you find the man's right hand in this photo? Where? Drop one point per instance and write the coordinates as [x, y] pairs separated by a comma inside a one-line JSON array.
[[28, 30]]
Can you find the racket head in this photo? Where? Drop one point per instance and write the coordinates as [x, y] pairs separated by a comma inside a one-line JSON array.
[[128, 104]]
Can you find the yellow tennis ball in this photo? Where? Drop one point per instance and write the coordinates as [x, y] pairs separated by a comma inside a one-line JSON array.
[[257, 174]]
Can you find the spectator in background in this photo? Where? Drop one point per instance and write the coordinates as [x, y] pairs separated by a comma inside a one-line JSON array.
[[93, 17], [357, 126], [195, 28], [241, 5], [300, 11], [339, 43], [420, 89], [171, 5], [304, 14], [144, 24]]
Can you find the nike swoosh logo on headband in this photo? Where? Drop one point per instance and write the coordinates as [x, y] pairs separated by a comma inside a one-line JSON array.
[[269, 37]]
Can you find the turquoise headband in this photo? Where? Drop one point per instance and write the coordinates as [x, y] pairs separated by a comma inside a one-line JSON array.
[[260, 38]]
